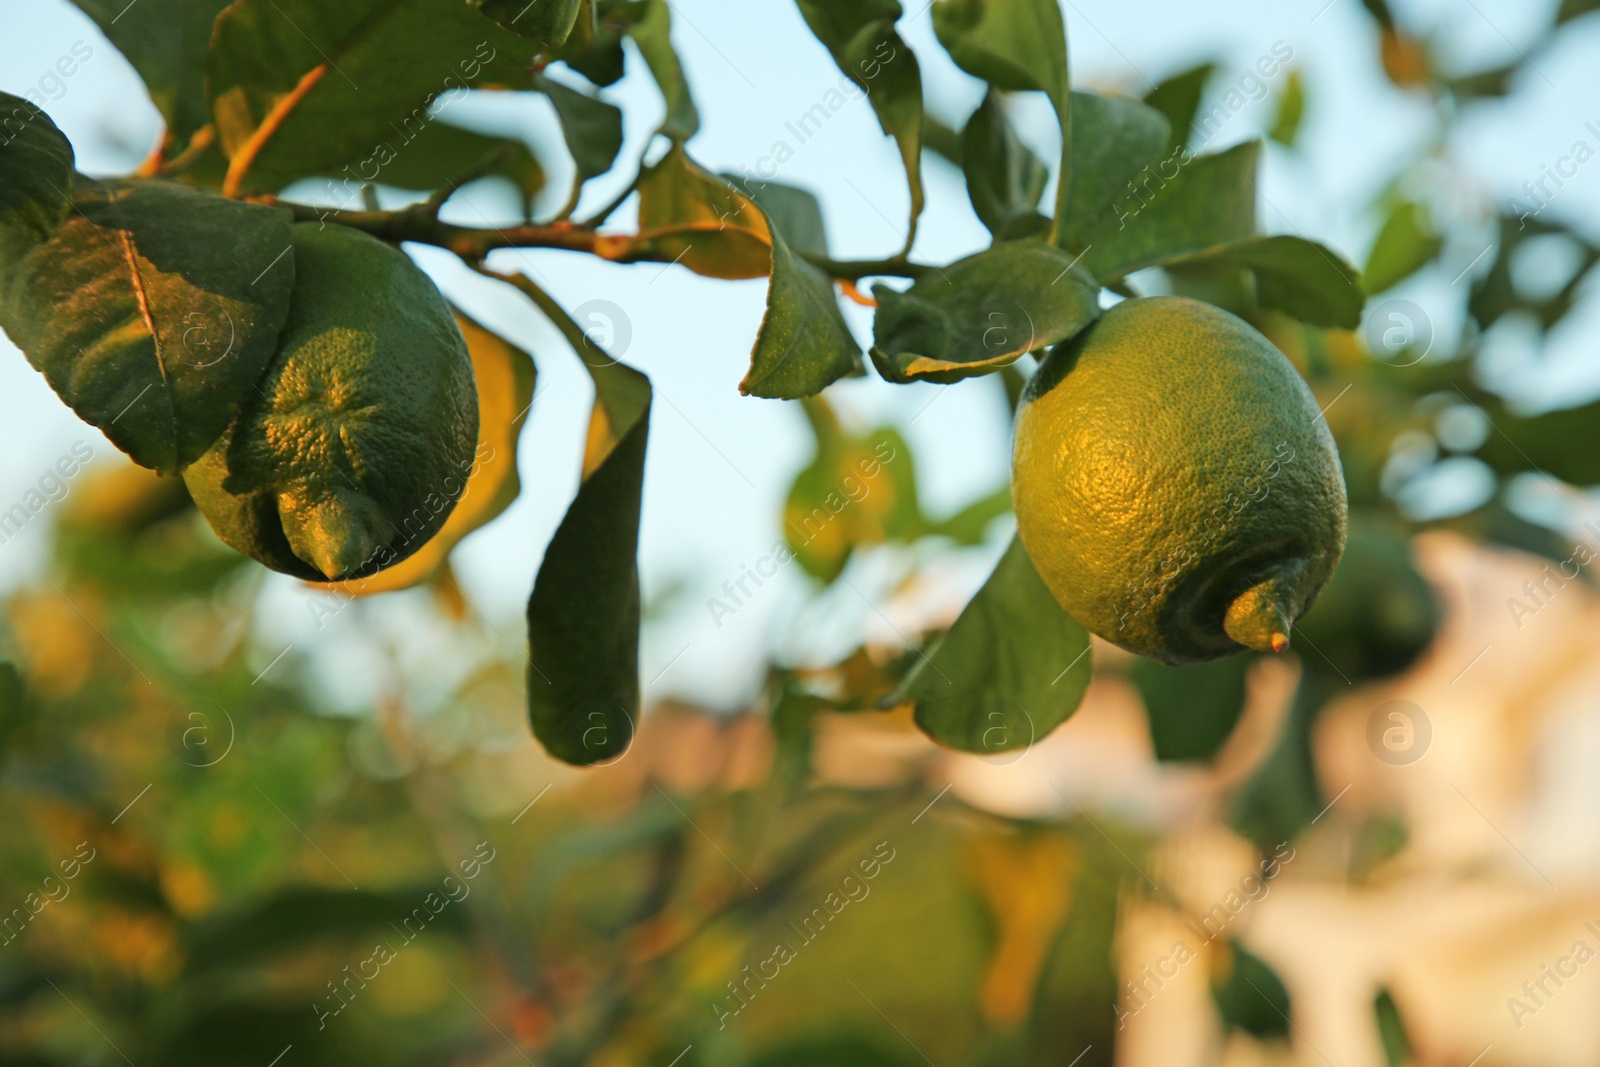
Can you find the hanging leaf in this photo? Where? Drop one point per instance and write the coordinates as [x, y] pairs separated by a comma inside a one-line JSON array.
[[652, 33], [591, 127], [601, 58], [1391, 1029], [1017, 45], [166, 42], [1010, 669], [548, 22], [1250, 995], [861, 38], [1004, 179], [1283, 795], [583, 617], [505, 377], [1183, 206], [1178, 98], [691, 217], [981, 313], [153, 311], [299, 87], [1191, 710], [1298, 277], [1290, 111], [35, 179], [1405, 244]]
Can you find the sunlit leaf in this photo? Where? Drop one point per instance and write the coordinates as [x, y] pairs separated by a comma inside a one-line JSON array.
[[981, 313], [1405, 244], [299, 87], [861, 37], [584, 614], [153, 311], [1010, 669], [505, 378], [691, 217]]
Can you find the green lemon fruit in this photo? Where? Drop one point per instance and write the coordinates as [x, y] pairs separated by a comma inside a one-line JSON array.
[[1175, 484], [1378, 614], [361, 436]]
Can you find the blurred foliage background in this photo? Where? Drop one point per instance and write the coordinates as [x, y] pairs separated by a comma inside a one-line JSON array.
[[209, 861]]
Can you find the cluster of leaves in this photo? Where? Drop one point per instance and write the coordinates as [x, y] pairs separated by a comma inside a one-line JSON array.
[[258, 95]]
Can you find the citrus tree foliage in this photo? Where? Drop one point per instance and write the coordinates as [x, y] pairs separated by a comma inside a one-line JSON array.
[[163, 307]]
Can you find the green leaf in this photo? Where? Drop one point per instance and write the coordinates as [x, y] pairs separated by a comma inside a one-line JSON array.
[[1564, 443], [1298, 277], [1191, 710], [166, 42], [583, 616], [1019, 45], [13, 705], [793, 211], [300, 87], [691, 217], [1183, 206], [591, 127], [652, 33], [1282, 796], [1406, 243], [981, 313], [803, 345], [601, 58], [1004, 179], [1571, 9], [1391, 1029], [1115, 141], [1251, 996], [153, 311], [970, 525], [35, 179], [549, 22], [861, 38], [442, 153], [1010, 669], [858, 490], [1178, 98], [1290, 111]]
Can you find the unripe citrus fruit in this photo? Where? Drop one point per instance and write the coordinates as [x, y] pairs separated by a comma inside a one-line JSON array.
[[1175, 484], [360, 438]]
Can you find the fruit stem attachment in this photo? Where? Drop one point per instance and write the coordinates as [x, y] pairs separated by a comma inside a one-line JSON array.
[[1262, 616]]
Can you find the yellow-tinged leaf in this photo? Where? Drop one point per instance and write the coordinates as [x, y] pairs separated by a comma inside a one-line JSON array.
[[1027, 882], [505, 377], [689, 216]]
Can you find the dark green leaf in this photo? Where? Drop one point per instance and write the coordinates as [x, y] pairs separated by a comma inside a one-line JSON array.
[[981, 313], [549, 22], [35, 179], [861, 37], [1564, 443], [442, 153], [300, 87], [1010, 669], [1192, 710], [592, 128], [1494, 82], [1379, 10], [652, 33], [1004, 179], [1495, 293], [583, 617], [1116, 142], [1252, 997], [1178, 98], [153, 311], [13, 709], [791, 210], [941, 139], [1282, 797], [1405, 244], [1298, 277], [166, 41], [1290, 111], [804, 344], [1182, 206], [601, 59], [1391, 1029], [1018, 45]]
